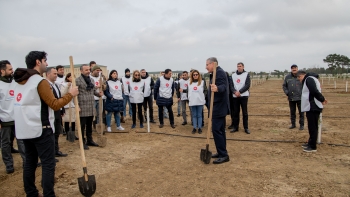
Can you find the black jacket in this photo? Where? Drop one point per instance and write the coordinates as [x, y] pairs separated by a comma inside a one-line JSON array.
[[292, 87], [58, 113], [314, 93], [221, 106]]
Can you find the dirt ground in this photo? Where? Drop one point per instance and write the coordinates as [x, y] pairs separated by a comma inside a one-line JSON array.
[[165, 162]]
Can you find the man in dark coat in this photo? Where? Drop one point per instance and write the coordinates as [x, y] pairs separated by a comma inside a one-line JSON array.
[[221, 108]]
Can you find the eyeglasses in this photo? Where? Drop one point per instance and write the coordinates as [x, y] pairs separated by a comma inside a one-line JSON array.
[[136, 75], [195, 74]]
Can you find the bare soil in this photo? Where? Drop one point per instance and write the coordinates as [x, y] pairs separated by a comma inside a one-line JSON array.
[[165, 162]]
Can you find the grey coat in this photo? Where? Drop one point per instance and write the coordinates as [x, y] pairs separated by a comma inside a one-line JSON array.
[[86, 98], [292, 87]]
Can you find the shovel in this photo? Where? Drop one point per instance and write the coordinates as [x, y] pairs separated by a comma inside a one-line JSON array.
[[101, 140], [70, 134], [205, 154], [87, 183]]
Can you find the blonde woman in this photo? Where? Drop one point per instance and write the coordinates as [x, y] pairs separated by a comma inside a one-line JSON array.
[[135, 90], [196, 96], [69, 108]]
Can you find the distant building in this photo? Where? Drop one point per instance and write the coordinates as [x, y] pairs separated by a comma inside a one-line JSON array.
[[77, 69]]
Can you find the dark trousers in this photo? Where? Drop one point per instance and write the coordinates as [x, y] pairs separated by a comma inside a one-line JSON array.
[[139, 112], [312, 124], [86, 122], [6, 141], [292, 107], [44, 148], [170, 111], [66, 126], [238, 103], [148, 101], [231, 109], [58, 130], [219, 134]]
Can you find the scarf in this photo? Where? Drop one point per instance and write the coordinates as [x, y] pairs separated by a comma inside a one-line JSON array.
[[87, 80]]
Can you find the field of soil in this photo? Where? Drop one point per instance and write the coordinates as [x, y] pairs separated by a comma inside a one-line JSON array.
[[165, 162]]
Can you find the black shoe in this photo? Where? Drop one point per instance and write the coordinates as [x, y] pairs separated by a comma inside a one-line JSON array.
[[309, 150], [91, 143], [173, 126], [247, 131], [14, 150], [194, 131], [301, 128], [86, 147], [221, 160], [305, 145], [122, 119], [161, 126], [10, 171], [199, 131], [38, 164], [56, 160], [64, 132], [216, 155], [234, 130], [178, 115], [184, 123], [152, 121], [231, 127], [76, 138], [292, 127], [60, 154]]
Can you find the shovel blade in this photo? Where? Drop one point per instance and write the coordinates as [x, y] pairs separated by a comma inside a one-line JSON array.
[[101, 141], [71, 135], [205, 155], [87, 188]]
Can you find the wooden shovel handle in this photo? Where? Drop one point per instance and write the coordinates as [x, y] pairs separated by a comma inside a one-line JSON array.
[[211, 103], [77, 115], [100, 108]]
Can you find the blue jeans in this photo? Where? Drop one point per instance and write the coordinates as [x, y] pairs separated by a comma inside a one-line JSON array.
[[116, 118], [126, 100], [197, 116], [44, 148]]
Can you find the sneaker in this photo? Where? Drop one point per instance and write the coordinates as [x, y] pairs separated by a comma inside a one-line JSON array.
[[109, 129], [194, 131], [305, 145], [133, 126], [301, 128], [141, 125], [173, 126], [309, 150], [120, 128]]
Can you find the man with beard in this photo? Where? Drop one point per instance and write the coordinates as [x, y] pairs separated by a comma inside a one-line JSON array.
[[126, 100], [34, 109], [60, 76], [86, 102], [148, 99], [7, 124]]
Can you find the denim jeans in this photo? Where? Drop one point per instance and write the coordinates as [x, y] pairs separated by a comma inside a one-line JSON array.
[[126, 100], [197, 116], [116, 118], [44, 148]]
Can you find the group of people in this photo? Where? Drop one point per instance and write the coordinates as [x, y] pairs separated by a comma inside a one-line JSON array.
[[34, 109]]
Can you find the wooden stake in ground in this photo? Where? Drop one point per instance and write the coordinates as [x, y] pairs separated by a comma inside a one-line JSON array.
[[101, 140], [205, 154], [87, 183]]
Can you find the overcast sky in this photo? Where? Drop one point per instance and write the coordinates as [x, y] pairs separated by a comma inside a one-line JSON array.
[[263, 34]]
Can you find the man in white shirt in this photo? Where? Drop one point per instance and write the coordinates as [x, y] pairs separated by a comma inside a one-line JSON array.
[[60, 76]]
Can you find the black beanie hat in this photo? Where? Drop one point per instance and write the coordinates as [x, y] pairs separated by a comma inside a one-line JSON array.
[[127, 70]]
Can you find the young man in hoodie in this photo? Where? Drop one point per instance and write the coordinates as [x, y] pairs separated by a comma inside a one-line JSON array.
[[292, 88], [240, 89], [312, 102], [34, 111], [126, 100], [7, 124], [148, 98]]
